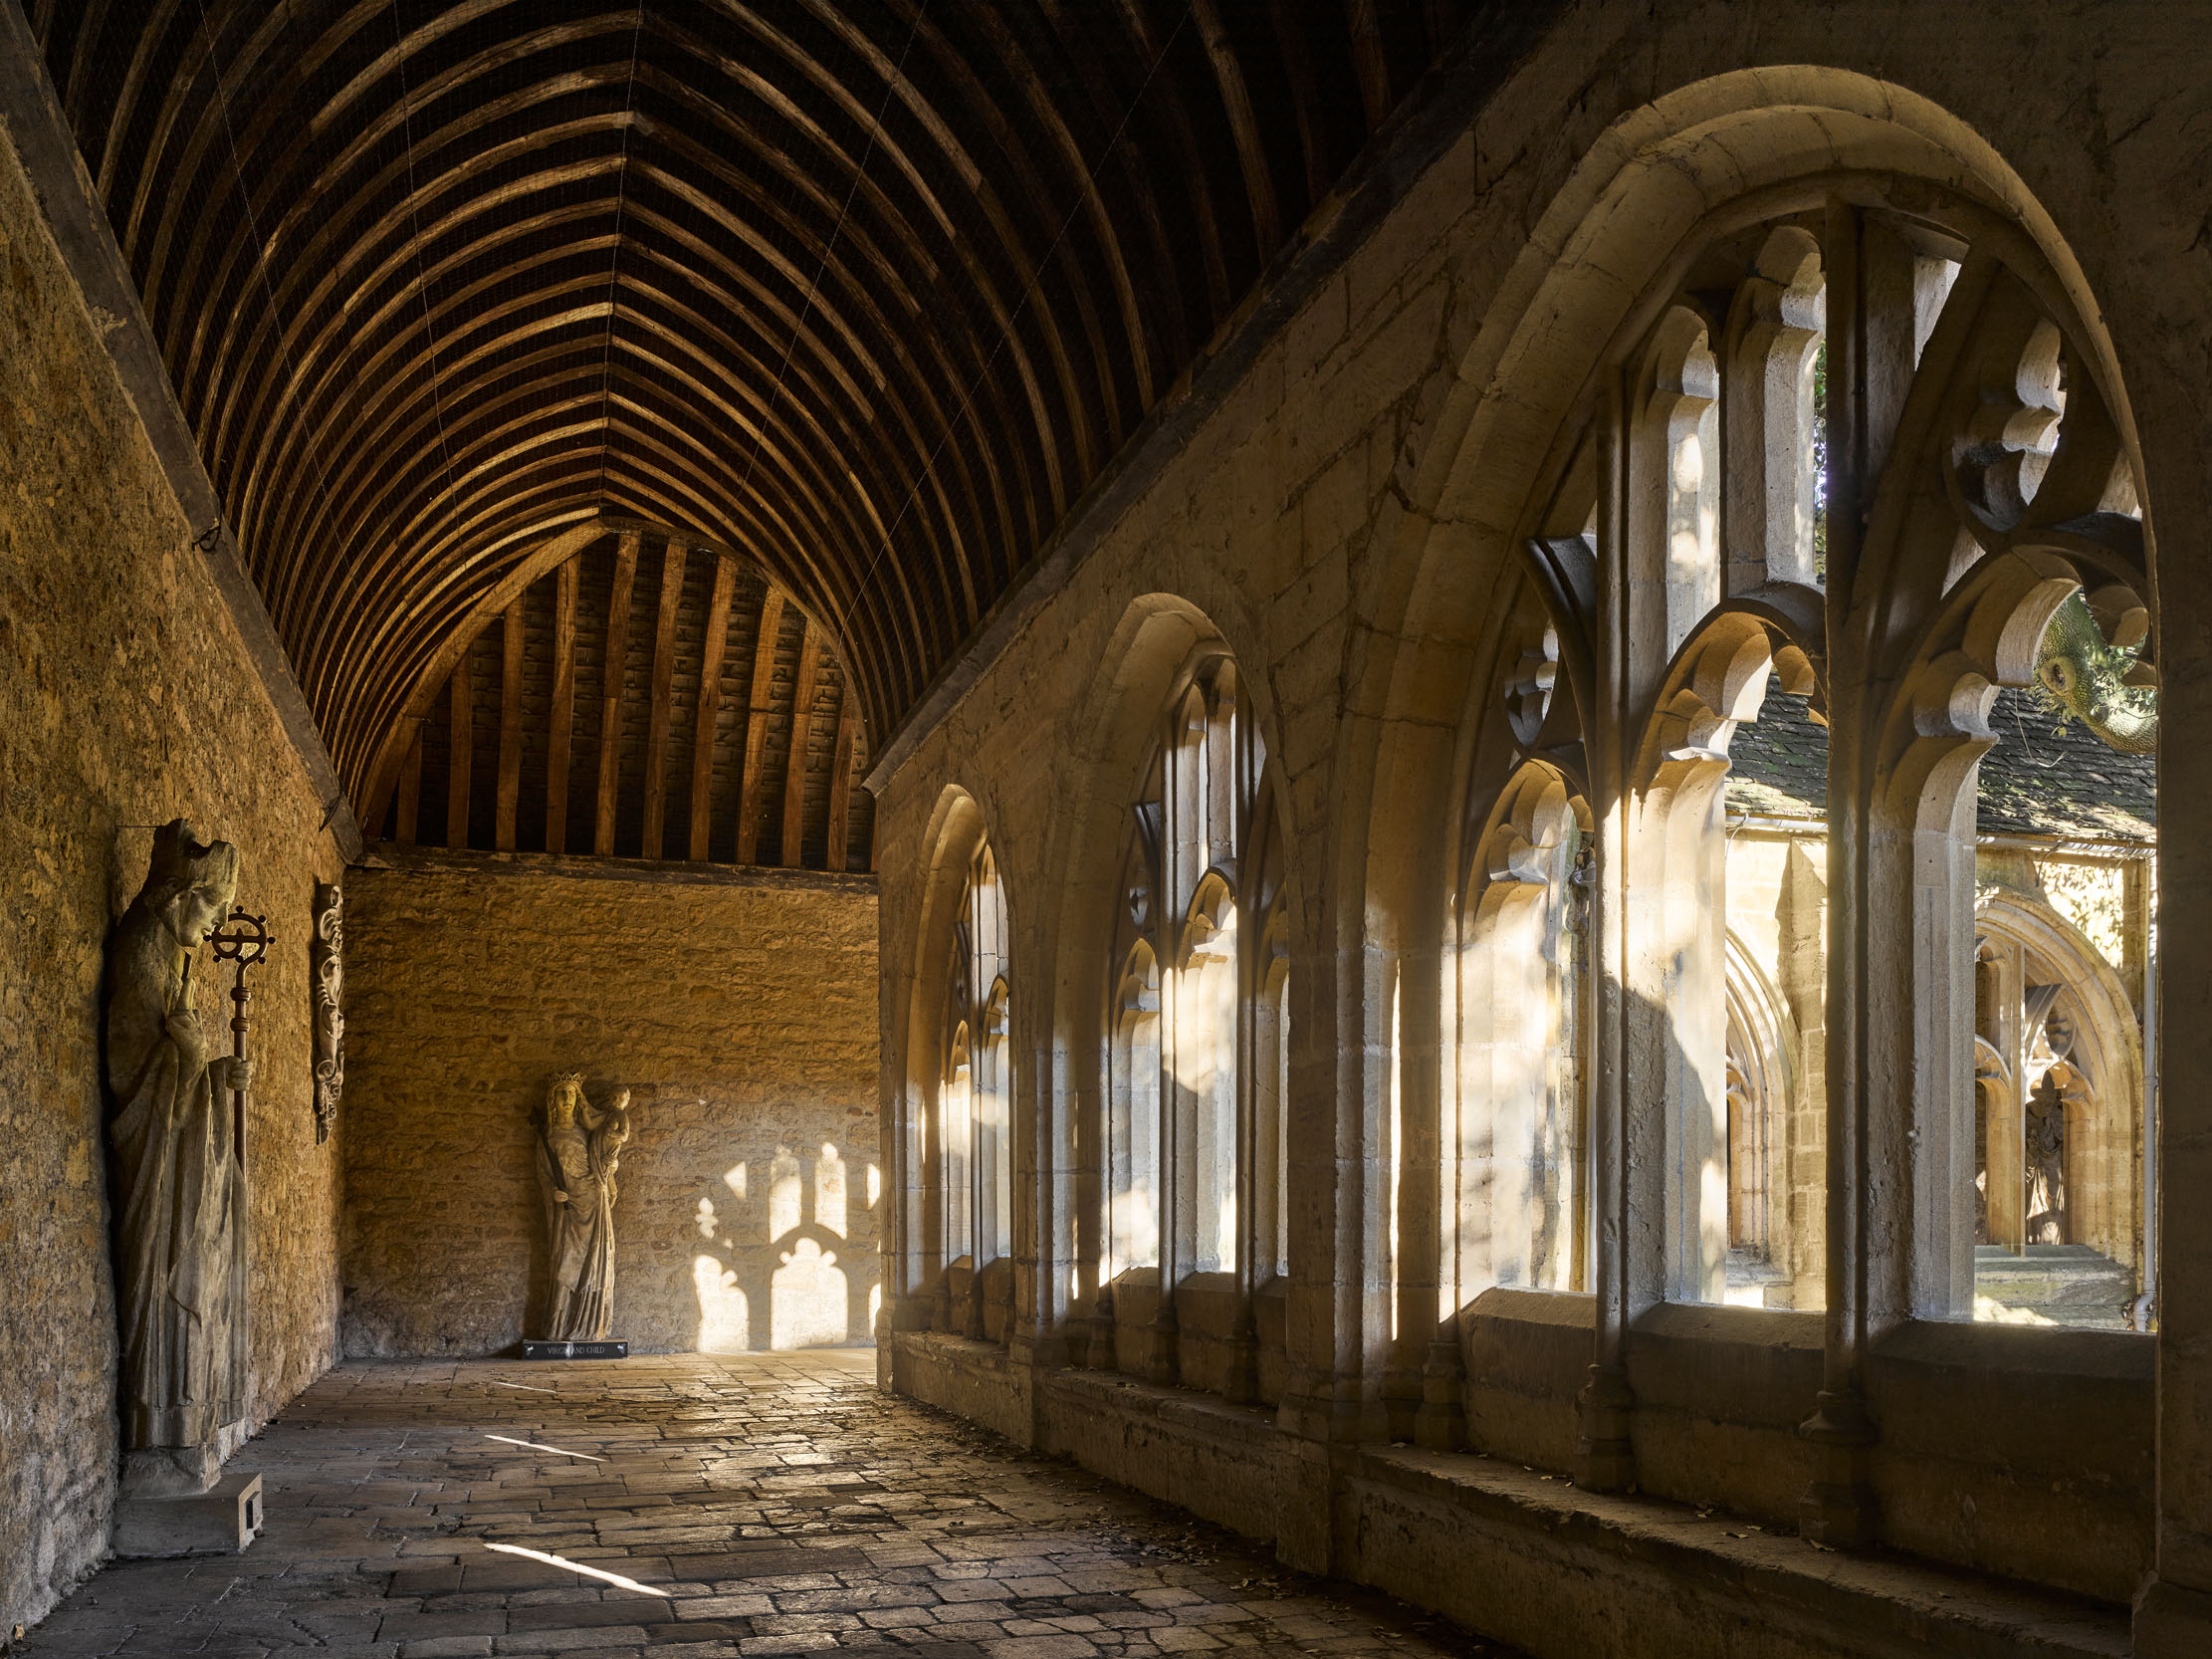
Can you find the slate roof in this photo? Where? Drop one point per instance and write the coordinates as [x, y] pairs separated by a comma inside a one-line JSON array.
[[2044, 777]]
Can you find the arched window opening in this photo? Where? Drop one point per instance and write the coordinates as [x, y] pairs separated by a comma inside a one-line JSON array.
[[993, 1134], [1715, 551], [1724, 872], [1849, 475], [1194, 1162], [1770, 1260], [2060, 1131], [953, 1119], [2036, 793], [1675, 474], [956, 1114], [1519, 1214], [1776, 438], [1777, 895], [981, 979], [969, 1129], [1132, 1232], [1206, 1081]]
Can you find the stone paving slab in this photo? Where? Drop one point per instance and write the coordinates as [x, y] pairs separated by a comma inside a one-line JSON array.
[[700, 1507]]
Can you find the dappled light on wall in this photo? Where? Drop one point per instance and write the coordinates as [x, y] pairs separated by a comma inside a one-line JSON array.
[[807, 1298], [723, 1326], [772, 1272]]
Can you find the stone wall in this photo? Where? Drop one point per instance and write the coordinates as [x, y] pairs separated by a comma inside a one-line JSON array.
[[1342, 517], [127, 698], [740, 1013]]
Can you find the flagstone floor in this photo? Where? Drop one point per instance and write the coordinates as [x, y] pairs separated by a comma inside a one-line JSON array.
[[699, 1506]]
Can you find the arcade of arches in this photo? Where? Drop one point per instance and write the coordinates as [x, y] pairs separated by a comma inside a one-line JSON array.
[[1395, 768]]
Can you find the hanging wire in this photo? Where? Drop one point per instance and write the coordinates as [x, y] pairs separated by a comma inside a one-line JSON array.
[[614, 254], [414, 216], [290, 391], [968, 396], [844, 212]]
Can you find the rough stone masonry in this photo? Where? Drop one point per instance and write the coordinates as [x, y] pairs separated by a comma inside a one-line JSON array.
[[738, 1012]]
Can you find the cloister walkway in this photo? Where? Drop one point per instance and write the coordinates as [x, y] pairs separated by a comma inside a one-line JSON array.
[[725, 1505]]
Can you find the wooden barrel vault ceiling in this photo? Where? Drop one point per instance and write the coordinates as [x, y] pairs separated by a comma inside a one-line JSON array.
[[642, 699], [863, 290]]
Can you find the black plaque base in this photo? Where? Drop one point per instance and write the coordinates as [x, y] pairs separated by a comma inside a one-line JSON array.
[[614, 1348]]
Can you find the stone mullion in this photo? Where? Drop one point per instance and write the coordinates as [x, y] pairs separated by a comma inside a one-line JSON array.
[[1417, 1273], [1252, 815], [1605, 1459], [1697, 1014], [924, 1091], [1837, 1508], [1163, 1362], [1251, 940], [2173, 1613], [979, 1040], [2005, 1117], [924, 1160], [1439, 1422], [2142, 987], [1046, 1162]]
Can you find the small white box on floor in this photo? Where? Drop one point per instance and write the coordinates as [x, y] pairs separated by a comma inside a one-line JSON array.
[[221, 1521]]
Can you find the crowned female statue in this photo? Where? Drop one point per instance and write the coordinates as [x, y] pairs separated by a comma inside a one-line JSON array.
[[180, 1191], [578, 1147]]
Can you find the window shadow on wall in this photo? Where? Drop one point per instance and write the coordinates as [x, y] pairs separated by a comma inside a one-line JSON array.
[[774, 1266]]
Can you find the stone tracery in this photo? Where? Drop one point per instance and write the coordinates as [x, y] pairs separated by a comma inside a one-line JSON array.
[[1677, 977], [1190, 1199], [1773, 500]]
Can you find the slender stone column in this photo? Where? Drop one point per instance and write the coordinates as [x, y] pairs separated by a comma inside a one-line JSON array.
[[1044, 1110], [1243, 1367], [2174, 1615], [1320, 1408], [1838, 1509], [1163, 1359], [1901, 851], [1605, 1457]]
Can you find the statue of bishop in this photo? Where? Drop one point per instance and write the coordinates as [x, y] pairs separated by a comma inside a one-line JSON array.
[[180, 1282]]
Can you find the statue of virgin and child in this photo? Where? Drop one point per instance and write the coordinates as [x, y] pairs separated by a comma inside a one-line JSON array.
[[579, 1148]]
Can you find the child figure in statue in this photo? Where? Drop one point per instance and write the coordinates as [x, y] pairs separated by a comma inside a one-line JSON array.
[[179, 1192], [578, 1147]]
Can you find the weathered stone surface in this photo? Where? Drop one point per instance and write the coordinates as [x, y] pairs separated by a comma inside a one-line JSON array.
[[126, 699], [721, 1505], [739, 1015]]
